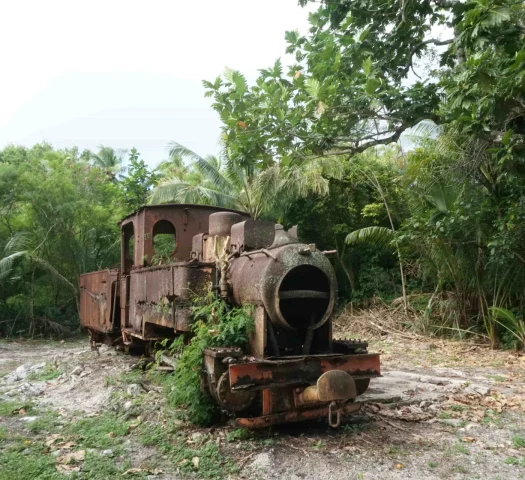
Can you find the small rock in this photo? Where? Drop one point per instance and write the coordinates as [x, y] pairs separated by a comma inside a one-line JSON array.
[[436, 380], [37, 367], [470, 426], [77, 371], [107, 453], [479, 389], [128, 405], [28, 419], [134, 389], [196, 436], [262, 461], [28, 389], [18, 373], [454, 422], [433, 408], [27, 451], [84, 374], [425, 404]]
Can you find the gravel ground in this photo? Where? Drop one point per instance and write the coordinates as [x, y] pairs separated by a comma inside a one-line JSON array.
[[444, 410]]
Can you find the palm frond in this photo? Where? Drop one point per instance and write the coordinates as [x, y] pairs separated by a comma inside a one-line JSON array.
[[177, 191], [214, 175], [51, 270], [175, 149], [379, 236], [7, 263]]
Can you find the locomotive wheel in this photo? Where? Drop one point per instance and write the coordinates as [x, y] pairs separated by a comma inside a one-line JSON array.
[[361, 385], [229, 400]]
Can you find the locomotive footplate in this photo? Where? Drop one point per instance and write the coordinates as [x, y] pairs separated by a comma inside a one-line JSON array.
[[306, 387], [290, 371]]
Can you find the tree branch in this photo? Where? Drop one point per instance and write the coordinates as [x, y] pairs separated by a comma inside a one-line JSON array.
[[417, 47], [379, 141]]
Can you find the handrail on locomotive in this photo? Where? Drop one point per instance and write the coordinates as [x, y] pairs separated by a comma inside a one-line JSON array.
[[292, 369]]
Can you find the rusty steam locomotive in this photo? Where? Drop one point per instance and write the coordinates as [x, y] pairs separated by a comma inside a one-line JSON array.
[[293, 369]]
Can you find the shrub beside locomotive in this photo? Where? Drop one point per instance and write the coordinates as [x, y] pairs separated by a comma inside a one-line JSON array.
[[292, 369]]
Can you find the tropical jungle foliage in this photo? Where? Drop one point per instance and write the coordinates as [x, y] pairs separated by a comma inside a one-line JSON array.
[[391, 131]]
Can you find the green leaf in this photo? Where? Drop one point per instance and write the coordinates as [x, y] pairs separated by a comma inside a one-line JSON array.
[[371, 85], [367, 66], [364, 34], [312, 86], [240, 83], [506, 138]]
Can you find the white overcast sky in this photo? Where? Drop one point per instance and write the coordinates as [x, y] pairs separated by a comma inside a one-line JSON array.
[[126, 73]]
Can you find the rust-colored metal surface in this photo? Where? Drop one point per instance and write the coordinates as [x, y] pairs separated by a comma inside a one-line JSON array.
[[297, 290], [293, 416], [187, 220], [273, 373], [291, 369], [98, 292]]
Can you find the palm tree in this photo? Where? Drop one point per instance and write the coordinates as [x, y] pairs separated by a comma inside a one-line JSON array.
[[252, 189], [109, 160], [18, 248]]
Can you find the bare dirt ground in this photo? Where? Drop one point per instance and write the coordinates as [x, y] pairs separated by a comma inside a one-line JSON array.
[[442, 410]]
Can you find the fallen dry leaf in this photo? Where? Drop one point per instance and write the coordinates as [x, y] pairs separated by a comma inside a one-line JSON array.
[[52, 439], [19, 411], [64, 445], [133, 426], [399, 466], [72, 457], [67, 468], [133, 471], [468, 439]]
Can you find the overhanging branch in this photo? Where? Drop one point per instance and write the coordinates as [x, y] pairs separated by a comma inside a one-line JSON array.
[[378, 141], [420, 45]]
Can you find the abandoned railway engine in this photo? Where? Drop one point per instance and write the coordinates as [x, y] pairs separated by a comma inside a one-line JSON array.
[[292, 369]]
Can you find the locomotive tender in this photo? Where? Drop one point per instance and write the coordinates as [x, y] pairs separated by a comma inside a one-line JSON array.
[[292, 369]]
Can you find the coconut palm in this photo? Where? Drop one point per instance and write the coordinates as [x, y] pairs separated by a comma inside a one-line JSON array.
[[256, 190], [109, 160]]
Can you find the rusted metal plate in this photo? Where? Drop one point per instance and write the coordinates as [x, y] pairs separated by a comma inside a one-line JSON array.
[[97, 298], [161, 295], [252, 234], [306, 370], [293, 416]]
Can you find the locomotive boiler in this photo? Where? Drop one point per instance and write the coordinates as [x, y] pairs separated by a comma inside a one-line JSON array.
[[292, 369]]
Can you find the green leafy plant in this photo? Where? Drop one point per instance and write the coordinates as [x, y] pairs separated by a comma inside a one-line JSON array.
[[216, 324], [510, 322]]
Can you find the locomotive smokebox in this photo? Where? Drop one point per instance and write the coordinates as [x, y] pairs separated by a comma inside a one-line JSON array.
[[294, 282]]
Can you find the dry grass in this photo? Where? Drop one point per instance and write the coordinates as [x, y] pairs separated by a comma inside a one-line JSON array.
[[373, 323]]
